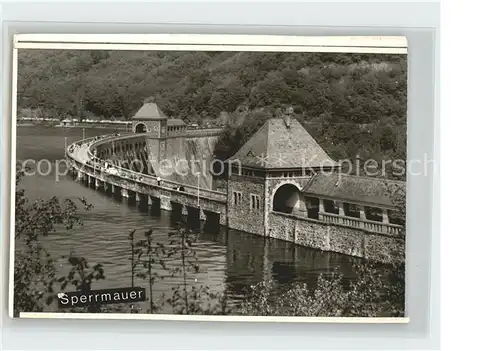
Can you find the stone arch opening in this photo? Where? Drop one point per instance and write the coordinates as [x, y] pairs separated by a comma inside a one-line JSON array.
[[286, 198], [140, 128]]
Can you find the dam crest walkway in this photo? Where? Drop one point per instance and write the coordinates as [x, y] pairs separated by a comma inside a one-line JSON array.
[[87, 165]]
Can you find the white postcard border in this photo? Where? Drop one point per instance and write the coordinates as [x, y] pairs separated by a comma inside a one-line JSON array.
[[187, 42]]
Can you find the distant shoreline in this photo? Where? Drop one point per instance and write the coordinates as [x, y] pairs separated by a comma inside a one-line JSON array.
[[27, 125], [95, 126]]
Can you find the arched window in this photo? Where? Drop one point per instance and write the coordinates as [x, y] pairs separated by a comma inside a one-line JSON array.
[[141, 128], [286, 198]]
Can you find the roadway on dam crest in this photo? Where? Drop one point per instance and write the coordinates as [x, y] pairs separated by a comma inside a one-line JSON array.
[[132, 183]]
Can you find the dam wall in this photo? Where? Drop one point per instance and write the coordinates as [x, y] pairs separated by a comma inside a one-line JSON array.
[[183, 159], [178, 158], [129, 151]]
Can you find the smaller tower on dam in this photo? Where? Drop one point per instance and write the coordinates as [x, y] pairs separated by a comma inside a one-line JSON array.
[[157, 127], [151, 119]]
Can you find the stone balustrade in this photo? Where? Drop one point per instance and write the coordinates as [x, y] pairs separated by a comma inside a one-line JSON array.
[[190, 133], [358, 223]]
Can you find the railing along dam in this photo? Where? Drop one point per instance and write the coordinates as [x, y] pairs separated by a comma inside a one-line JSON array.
[[129, 182]]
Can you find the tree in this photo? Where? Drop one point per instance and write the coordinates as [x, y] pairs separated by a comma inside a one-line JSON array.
[[34, 271], [397, 193], [149, 258], [81, 278], [387, 139], [227, 97], [151, 261], [237, 133], [373, 292]]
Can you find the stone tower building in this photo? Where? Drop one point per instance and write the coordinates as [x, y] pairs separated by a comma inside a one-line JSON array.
[[151, 119], [269, 172]]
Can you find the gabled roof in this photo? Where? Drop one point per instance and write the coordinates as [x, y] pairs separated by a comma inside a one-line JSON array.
[[356, 189], [149, 111], [175, 122], [282, 145]]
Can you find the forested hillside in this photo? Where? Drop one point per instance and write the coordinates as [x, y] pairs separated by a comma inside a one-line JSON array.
[[353, 104]]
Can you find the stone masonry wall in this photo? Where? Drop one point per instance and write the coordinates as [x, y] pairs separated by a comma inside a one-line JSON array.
[[328, 237], [348, 241], [242, 216], [302, 232], [282, 227], [312, 234]]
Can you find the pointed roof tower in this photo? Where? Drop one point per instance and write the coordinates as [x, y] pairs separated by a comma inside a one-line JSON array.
[[282, 144], [149, 111]]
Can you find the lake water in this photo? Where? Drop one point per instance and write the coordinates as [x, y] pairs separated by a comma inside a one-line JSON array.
[[229, 260]]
